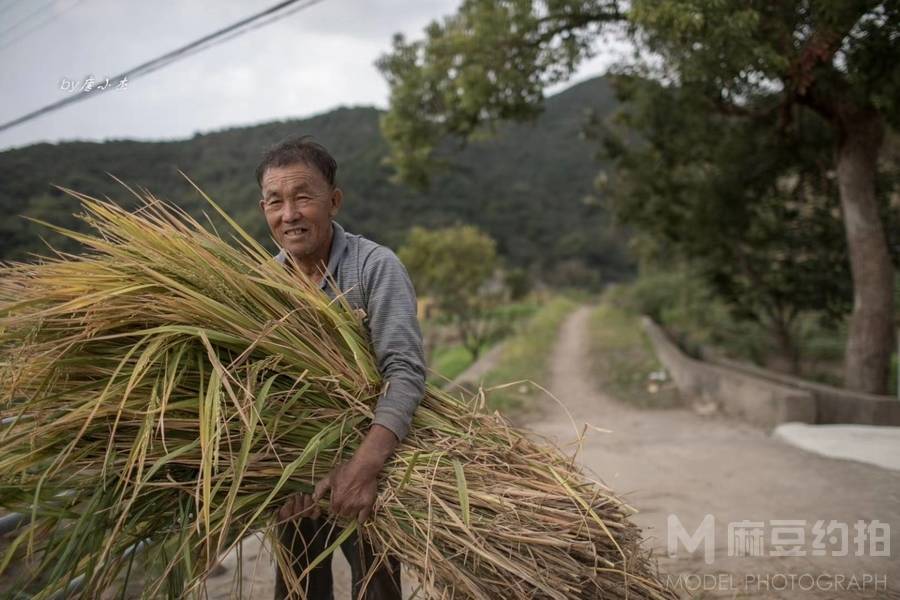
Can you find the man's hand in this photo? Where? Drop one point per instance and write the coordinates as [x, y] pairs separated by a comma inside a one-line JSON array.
[[354, 484], [299, 506]]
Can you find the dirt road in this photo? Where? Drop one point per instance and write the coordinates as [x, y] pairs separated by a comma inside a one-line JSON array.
[[674, 462]]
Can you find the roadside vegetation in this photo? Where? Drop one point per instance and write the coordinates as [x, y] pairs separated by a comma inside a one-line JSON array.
[[525, 358], [622, 360], [449, 357], [706, 326]]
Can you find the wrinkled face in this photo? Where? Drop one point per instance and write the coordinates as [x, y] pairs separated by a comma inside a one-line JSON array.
[[299, 204]]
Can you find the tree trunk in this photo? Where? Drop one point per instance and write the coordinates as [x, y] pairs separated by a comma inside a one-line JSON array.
[[871, 330], [787, 358]]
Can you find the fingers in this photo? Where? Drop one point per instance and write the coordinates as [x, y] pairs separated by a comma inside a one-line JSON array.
[[343, 499], [299, 506], [311, 507], [323, 486], [286, 511], [302, 505]]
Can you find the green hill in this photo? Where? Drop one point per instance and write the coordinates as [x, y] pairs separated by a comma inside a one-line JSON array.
[[530, 186]]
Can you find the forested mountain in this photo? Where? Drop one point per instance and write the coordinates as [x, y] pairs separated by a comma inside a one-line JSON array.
[[530, 186]]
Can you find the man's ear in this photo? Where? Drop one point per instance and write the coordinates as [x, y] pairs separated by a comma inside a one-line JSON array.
[[337, 198]]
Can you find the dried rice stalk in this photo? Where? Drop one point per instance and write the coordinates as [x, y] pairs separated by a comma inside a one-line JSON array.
[[171, 390]]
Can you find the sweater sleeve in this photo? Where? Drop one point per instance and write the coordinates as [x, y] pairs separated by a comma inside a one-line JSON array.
[[396, 339]]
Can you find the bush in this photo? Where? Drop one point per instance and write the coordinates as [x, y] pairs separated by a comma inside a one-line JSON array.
[[699, 321]]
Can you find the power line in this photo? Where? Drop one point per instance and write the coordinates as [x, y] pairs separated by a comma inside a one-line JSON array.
[[159, 62], [39, 10], [255, 26], [4, 4], [48, 19], [220, 38]]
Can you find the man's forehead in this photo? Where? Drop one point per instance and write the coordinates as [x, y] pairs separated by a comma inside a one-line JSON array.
[[291, 176]]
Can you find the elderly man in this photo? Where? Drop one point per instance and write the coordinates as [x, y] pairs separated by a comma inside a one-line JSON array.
[[299, 201]]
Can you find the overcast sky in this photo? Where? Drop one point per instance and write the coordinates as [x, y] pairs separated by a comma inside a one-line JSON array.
[[307, 63]]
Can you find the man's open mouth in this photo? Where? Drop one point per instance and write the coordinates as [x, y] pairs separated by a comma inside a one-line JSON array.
[[296, 231]]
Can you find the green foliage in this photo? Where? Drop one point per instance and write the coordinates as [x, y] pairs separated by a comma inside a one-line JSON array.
[[749, 100], [449, 362], [449, 359], [704, 324], [517, 282], [683, 302], [525, 358], [451, 264], [807, 50], [489, 61], [454, 265], [515, 313], [752, 209]]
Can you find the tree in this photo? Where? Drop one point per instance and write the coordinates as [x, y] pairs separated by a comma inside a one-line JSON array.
[[837, 58], [454, 265], [751, 208], [491, 60]]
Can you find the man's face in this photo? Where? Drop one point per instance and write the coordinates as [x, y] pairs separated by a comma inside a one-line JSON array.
[[299, 204]]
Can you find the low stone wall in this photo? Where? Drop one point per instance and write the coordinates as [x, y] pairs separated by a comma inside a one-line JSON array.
[[833, 405], [753, 399], [765, 397]]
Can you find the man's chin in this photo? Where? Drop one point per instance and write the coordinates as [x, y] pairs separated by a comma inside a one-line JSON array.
[[298, 252]]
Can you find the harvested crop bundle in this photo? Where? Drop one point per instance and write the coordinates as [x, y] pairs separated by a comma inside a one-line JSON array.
[[164, 392]]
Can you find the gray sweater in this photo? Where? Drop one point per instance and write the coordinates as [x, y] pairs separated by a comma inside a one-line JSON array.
[[373, 279]]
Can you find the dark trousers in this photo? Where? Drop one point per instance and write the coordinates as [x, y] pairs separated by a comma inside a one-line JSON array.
[[303, 540]]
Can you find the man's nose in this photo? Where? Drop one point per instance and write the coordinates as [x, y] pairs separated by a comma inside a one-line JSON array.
[[291, 211]]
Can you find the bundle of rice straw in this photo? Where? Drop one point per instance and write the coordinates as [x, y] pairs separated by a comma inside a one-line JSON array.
[[168, 390]]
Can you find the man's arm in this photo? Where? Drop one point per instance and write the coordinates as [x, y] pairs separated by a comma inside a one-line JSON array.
[[396, 339], [397, 342]]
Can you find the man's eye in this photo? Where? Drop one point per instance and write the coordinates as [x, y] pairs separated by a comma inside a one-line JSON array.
[[274, 201]]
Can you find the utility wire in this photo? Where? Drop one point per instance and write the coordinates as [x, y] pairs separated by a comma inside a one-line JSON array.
[[159, 62], [4, 4], [37, 11], [255, 26], [204, 43], [47, 19]]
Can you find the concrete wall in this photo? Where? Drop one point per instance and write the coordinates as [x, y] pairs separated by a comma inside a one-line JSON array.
[[764, 397], [833, 405], [753, 399]]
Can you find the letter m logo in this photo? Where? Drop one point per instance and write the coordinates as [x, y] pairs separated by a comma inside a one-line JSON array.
[[705, 534]]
